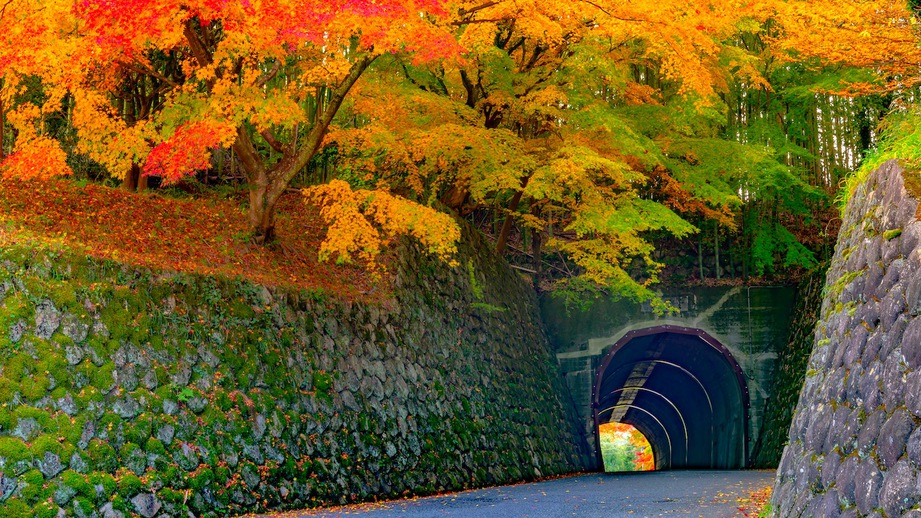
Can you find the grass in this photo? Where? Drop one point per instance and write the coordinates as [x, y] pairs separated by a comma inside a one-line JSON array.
[[204, 235]]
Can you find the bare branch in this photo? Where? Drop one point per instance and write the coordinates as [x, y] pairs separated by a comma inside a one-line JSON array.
[[488, 20]]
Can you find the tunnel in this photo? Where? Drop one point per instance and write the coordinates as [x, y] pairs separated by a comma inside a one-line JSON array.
[[683, 390]]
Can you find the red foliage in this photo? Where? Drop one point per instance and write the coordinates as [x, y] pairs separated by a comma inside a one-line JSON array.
[[187, 151]]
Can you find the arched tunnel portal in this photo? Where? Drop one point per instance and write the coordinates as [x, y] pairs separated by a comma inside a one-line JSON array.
[[683, 390]]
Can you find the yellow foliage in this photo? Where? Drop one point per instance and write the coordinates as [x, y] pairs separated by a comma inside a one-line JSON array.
[[361, 222]]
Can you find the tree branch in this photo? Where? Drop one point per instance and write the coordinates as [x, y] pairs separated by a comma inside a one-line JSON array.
[[285, 170], [270, 75], [272, 141], [143, 69], [487, 20], [199, 49], [487, 5]]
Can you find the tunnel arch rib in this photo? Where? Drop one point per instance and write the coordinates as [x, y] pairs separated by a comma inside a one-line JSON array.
[[689, 383]]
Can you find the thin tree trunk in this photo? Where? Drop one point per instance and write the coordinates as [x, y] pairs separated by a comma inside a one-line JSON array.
[[502, 239], [267, 185], [2, 130], [716, 247], [700, 255], [130, 182], [536, 243]]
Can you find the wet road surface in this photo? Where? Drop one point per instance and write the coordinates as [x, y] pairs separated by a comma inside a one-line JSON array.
[[708, 494]]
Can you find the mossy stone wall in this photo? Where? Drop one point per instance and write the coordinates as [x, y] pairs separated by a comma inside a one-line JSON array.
[[127, 392], [855, 439], [789, 372]]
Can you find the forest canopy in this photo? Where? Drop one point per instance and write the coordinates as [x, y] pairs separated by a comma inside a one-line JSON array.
[[599, 144]]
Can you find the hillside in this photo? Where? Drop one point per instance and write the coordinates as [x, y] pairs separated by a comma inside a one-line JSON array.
[[184, 234]]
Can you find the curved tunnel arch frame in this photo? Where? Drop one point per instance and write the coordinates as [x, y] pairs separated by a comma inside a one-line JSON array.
[[653, 330]]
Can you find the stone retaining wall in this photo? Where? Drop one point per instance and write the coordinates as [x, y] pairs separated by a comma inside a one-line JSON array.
[[789, 372], [855, 440], [135, 393]]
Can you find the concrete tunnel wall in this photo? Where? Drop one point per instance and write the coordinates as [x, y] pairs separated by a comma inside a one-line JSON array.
[[752, 323], [683, 390]]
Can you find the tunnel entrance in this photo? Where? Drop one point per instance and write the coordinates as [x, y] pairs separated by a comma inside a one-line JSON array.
[[683, 390]]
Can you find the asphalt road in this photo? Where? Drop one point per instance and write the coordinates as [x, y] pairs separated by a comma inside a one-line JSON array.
[[708, 494]]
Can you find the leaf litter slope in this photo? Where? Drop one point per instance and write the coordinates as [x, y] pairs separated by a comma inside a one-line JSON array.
[[201, 235]]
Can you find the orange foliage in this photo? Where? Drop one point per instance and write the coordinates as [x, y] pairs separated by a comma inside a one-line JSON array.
[[195, 236], [879, 36], [38, 158]]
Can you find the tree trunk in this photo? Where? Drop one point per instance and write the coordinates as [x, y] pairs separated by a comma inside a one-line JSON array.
[[536, 243], [700, 254], [502, 239], [2, 130], [716, 247], [261, 215], [133, 180], [456, 196], [130, 181], [267, 185]]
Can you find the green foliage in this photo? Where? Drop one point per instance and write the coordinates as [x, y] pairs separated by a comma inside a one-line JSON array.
[[774, 244], [900, 140]]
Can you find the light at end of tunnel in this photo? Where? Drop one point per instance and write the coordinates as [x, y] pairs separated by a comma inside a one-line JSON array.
[[624, 448]]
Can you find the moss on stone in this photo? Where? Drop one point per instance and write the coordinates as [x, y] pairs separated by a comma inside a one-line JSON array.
[[101, 377], [15, 307], [79, 482], [201, 478], [35, 386], [63, 296], [16, 507], [278, 358], [18, 366], [102, 456], [45, 510], [84, 504], [154, 445], [48, 443], [889, 235], [43, 417], [128, 483], [13, 450], [104, 480], [35, 489]]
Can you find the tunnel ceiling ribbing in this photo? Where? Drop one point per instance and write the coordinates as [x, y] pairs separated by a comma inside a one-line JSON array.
[[683, 390]]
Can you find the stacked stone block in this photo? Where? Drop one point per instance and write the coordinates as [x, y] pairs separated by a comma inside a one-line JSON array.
[[855, 440], [126, 392]]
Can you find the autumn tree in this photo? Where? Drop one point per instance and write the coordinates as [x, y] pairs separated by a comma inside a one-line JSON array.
[[535, 126], [266, 78]]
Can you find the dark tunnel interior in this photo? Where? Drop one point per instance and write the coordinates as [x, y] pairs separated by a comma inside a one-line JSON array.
[[683, 390]]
